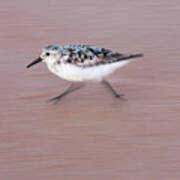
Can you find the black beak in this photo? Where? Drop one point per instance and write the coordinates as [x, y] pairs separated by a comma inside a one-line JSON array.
[[39, 59]]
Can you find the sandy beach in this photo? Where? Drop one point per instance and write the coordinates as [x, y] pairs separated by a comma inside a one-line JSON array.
[[90, 135]]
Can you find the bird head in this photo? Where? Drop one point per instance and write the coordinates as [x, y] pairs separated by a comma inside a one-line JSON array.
[[49, 54]]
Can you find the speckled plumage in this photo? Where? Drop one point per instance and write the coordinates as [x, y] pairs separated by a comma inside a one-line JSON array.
[[82, 63], [86, 56]]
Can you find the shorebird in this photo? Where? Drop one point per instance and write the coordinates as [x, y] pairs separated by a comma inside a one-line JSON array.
[[79, 63]]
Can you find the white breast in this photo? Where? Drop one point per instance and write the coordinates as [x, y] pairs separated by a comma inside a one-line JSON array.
[[71, 72]]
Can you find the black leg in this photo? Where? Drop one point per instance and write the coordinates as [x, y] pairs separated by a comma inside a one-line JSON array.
[[112, 90], [69, 90]]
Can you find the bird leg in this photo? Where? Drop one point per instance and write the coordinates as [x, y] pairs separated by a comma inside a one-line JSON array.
[[69, 90], [112, 90]]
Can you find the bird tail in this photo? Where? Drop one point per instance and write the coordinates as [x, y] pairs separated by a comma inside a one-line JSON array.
[[130, 56], [137, 55]]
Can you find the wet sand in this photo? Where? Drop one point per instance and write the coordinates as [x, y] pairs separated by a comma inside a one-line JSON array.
[[89, 135]]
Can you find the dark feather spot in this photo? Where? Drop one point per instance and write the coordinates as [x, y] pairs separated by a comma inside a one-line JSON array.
[[75, 59], [85, 56], [55, 48], [69, 60], [70, 55], [79, 54], [105, 52], [91, 50]]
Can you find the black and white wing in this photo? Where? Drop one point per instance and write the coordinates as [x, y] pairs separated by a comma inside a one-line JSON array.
[[88, 56]]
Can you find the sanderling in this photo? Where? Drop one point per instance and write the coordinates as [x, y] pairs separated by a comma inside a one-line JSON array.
[[78, 63]]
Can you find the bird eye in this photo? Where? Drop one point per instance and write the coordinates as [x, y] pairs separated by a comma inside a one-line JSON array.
[[47, 54]]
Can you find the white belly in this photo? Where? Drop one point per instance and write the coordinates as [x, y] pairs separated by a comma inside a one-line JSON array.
[[73, 73]]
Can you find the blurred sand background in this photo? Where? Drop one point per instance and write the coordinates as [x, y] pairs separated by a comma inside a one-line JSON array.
[[89, 135]]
